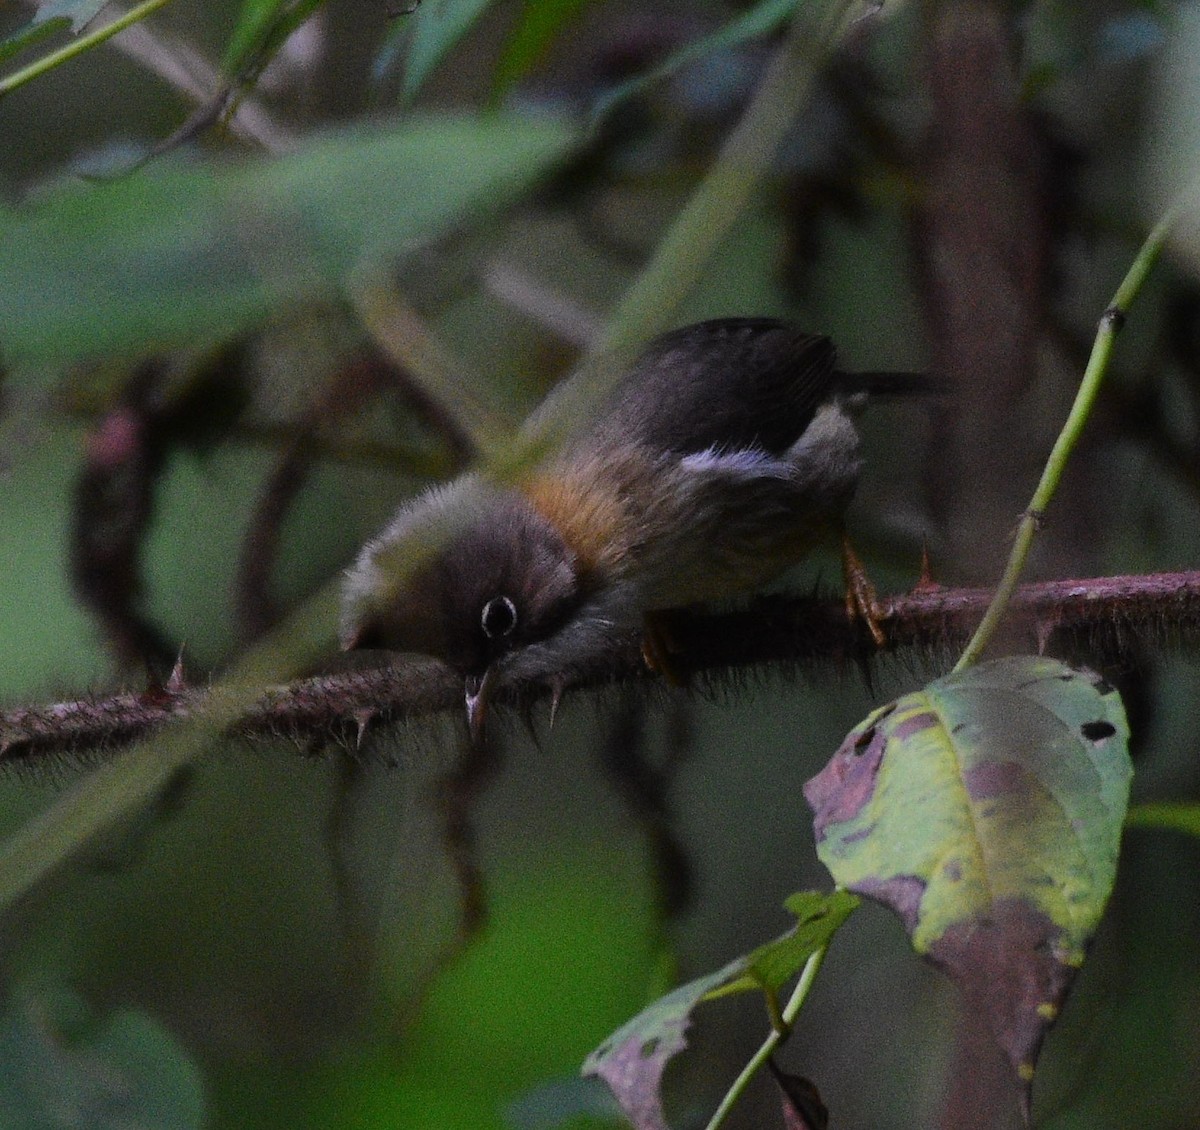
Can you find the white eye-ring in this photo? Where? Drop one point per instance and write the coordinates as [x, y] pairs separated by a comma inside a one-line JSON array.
[[499, 617]]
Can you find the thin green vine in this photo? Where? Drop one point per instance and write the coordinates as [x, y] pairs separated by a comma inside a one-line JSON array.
[[1110, 325], [781, 1029]]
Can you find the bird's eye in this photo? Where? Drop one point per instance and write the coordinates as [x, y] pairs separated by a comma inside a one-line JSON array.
[[499, 617]]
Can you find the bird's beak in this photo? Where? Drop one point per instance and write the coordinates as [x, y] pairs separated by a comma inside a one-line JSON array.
[[478, 689]]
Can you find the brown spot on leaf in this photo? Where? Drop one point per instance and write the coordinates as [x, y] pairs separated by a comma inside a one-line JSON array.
[[1007, 966], [995, 778], [915, 723], [847, 782], [901, 894]]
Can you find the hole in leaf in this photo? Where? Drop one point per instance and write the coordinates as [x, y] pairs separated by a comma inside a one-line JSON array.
[[649, 1047], [864, 740], [1097, 731]]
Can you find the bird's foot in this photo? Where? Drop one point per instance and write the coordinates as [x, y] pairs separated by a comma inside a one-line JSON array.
[[861, 599]]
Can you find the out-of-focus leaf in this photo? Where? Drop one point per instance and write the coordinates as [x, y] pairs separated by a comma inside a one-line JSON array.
[[1131, 36], [33, 32], [563, 1101], [1178, 816], [434, 28], [986, 810], [515, 1009], [633, 1059], [760, 20], [56, 15], [262, 28], [79, 12], [59, 1070], [200, 253], [539, 24]]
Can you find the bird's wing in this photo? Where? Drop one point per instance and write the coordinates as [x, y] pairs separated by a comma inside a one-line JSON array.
[[725, 384]]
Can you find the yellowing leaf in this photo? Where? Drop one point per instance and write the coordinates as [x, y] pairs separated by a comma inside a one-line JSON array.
[[986, 810]]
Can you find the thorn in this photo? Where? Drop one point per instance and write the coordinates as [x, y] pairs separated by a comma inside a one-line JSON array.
[[177, 680], [1046, 626], [362, 721], [660, 650], [863, 662], [526, 715], [155, 693], [925, 582], [557, 685]]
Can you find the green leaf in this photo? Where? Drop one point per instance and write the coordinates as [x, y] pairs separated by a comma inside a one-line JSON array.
[[79, 12], [632, 1060], [772, 965], [188, 254], [1178, 816], [434, 29], [263, 26], [55, 15], [62, 1071], [33, 32], [986, 810], [540, 23]]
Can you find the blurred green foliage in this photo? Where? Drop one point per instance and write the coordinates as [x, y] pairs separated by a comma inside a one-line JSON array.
[[280, 931]]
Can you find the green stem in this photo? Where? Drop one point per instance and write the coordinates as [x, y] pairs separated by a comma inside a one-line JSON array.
[[1110, 325], [78, 46], [405, 337], [778, 1034], [684, 254]]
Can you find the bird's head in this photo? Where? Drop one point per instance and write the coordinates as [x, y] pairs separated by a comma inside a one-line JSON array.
[[500, 580]]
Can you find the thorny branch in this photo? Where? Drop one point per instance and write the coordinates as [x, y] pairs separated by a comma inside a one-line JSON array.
[[1098, 619]]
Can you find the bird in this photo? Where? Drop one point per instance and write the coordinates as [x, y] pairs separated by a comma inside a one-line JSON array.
[[723, 456]]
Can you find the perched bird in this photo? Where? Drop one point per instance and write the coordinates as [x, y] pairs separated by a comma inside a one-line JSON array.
[[719, 460]]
